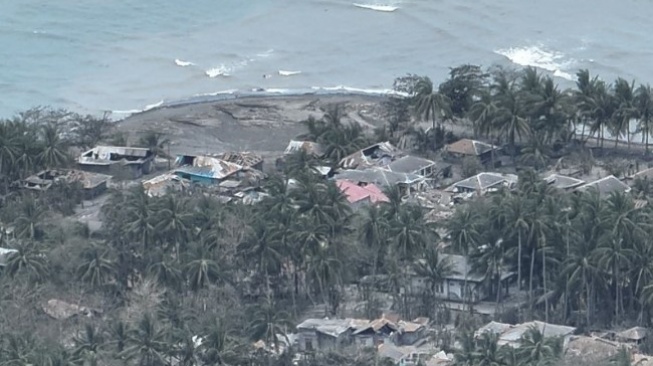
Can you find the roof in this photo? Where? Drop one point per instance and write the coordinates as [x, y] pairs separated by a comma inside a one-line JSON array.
[[245, 158], [380, 177], [5, 254], [513, 335], [633, 334], [310, 147], [46, 178], [356, 193], [469, 147], [210, 167], [410, 327], [409, 164], [483, 182], [378, 155], [103, 154], [563, 181], [376, 325], [644, 174], [493, 327], [606, 186], [394, 352], [159, 185], [330, 327]]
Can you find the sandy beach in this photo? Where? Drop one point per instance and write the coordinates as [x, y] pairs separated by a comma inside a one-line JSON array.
[[262, 124]]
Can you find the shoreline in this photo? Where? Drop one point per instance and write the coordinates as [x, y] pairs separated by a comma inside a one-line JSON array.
[[232, 95]]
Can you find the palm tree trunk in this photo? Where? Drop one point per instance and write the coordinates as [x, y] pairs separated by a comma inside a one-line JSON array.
[[546, 297], [519, 259], [647, 133], [530, 280], [588, 300]]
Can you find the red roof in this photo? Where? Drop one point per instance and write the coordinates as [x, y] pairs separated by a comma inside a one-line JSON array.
[[356, 193]]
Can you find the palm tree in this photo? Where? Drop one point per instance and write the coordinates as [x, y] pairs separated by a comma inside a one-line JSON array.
[[583, 97], [88, 345], [644, 106], [218, 346], [410, 233], [465, 355], [201, 269], [18, 349], [487, 351], [147, 343], [173, 221], [118, 335], [535, 349], [429, 103], [156, 142], [373, 233], [53, 150], [165, 272], [30, 261], [601, 107], [269, 323], [624, 94], [96, 266], [262, 246], [517, 225], [8, 142], [482, 115], [28, 219], [434, 269], [139, 213], [509, 120]]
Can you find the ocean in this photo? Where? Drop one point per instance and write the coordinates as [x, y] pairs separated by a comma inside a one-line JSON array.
[[126, 56]]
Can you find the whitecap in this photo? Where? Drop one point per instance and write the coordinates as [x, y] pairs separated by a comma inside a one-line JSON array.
[[349, 89], [220, 92], [383, 8], [183, 63], [221, 70], [265, 54], [289, 73], [127, 112], [152, 106], [539, 57]]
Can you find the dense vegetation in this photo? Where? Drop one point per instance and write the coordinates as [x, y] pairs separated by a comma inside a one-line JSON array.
[[166, 270]]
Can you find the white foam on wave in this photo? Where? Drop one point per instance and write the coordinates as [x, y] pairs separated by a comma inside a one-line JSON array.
[[221, 70], [349, 89], [183, 63], [289, 73], [265, 54], [220, 92], [539, 57], [152, 106], [377, 7]]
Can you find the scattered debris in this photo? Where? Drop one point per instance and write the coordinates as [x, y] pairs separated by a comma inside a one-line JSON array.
[[62, 310]]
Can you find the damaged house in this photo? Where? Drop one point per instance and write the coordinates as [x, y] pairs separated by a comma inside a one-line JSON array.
[[211, 169], [323, 334], [115, 160], [463, 148], [309, 147], [378, 155], [419, 166], [93, 184], [483, 183]]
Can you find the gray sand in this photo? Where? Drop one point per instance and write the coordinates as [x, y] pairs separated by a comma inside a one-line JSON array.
[[259, 124]]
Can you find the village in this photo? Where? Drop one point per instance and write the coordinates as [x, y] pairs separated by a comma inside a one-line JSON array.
[[437, 186]]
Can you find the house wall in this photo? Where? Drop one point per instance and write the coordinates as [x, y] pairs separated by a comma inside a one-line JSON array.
[[90, 193], [307, 340], [407, 339]]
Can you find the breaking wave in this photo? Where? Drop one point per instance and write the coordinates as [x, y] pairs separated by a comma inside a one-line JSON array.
[[183, 63], [538, 57], [383, 8], [289, 73]]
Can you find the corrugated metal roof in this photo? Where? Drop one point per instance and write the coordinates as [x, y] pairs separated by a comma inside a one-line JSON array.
[[356, 193]]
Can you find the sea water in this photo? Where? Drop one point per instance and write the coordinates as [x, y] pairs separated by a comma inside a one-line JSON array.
[[125, 56]]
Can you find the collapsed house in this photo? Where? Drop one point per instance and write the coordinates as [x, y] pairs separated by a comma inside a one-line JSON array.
[[117, 160], [407, 183], [309, 147], [378, 155], [93, 184], [211, 169]]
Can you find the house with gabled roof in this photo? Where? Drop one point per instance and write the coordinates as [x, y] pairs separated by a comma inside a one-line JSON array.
[[483, 183], [468, 147], [605, 186]]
